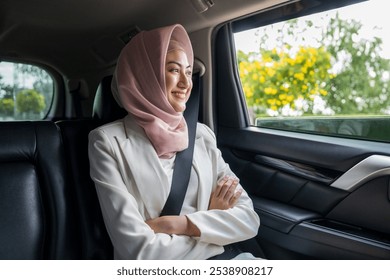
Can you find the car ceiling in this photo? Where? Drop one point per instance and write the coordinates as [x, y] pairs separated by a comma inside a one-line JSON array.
[[78, 37]]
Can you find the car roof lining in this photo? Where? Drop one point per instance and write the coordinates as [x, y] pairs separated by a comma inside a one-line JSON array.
[[78, 37]]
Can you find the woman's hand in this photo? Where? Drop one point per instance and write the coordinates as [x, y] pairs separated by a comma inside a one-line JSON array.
[[225, 195], [179, 225]]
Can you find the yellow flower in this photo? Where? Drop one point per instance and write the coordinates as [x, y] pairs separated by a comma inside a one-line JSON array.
[[248, 91], [323, 92], [262, 80], [284, 102], [271, 101], [299, 76], [290, 98], [270, 91], [290, 61]]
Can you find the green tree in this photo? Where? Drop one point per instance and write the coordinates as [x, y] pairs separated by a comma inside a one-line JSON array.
[[30, 101], [360, 85], [43, 82], [346, 74], [282, 80], [6, 106]]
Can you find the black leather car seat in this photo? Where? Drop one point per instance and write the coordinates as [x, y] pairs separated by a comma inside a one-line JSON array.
[[105, 108], [37, 218], [96, 243]]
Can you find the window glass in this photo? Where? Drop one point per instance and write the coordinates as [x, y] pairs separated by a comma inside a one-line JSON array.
[[325, 73], [26, 92]]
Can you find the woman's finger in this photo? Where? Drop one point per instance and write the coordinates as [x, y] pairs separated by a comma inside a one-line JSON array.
[[231, 186], [220, 190], [233, 201]]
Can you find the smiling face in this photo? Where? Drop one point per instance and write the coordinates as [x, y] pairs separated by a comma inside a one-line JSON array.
[[178, 79]]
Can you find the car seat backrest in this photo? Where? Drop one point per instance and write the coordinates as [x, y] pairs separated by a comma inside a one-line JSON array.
[[105, 107], [96, 243], [36, 207]]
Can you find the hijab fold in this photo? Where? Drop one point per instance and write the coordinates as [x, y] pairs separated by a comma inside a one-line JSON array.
[[138, 86]]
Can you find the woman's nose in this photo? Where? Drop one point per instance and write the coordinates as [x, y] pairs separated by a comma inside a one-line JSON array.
[[184, 81]]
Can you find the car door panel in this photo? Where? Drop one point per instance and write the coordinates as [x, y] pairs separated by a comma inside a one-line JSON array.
[[318, 197], [302, 199]]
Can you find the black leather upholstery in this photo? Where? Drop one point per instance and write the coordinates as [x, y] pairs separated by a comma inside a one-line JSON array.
[[105, 107], [37, 220], [96, 243], [48, 203]]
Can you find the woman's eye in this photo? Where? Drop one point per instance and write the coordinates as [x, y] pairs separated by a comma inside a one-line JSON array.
[[174, 70]]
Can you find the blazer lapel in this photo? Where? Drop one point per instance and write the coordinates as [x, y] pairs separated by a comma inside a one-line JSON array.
[[149, 176]]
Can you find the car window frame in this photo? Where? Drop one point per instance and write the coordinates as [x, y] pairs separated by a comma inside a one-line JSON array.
[[279, 14]]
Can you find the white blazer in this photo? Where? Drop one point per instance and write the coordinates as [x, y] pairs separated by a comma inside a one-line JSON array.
[[132, 187]]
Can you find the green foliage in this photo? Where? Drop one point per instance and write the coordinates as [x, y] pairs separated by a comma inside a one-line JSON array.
[[43, 83], [347, 75], [360, 86], [30, 101], [7, 106], [278, 79]]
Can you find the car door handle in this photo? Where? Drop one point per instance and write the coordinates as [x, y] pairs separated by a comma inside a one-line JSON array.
[[371, 167]]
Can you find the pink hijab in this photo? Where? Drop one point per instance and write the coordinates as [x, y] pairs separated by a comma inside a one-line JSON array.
[[138, 86]]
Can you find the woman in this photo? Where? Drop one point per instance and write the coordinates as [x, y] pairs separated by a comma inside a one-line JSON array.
[[132, 160]]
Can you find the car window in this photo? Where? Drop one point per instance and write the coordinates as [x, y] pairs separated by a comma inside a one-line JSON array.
[[325, 73], [26, 92]]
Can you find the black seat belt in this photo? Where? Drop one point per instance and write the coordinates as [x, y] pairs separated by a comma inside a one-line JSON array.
[[183, 161], [183, 164]]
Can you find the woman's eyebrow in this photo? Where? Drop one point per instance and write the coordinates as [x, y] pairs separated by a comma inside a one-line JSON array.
[[177, 63]]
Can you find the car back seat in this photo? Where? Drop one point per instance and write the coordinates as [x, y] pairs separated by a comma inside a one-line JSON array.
[[37, 218], [96, 243]]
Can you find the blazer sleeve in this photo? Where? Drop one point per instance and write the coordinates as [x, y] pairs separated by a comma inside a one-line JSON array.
[[132, 238], [224, 227]]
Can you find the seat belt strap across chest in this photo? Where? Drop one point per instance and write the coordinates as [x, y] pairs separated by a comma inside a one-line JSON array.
[[183, 162]]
